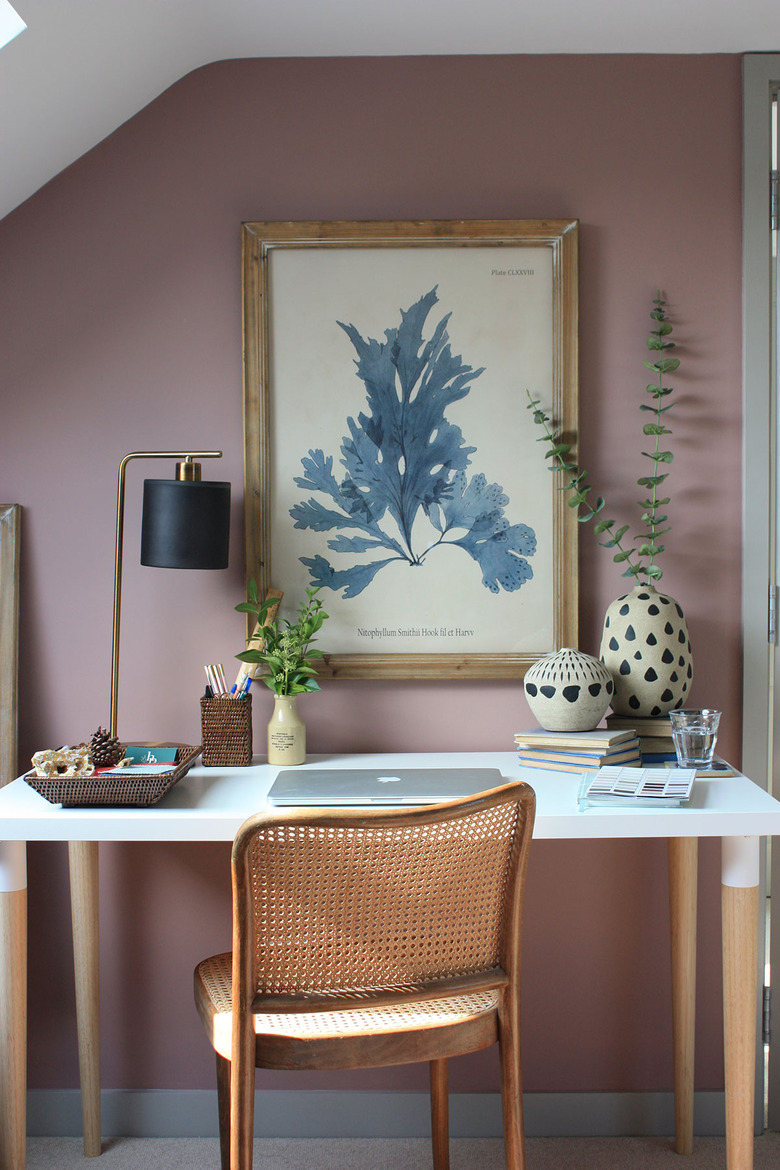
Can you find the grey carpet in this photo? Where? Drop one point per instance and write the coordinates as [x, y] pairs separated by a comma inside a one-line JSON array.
[[641, 1153]]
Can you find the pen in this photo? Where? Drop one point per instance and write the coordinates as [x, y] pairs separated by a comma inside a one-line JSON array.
[[216, 678], [238, 686]]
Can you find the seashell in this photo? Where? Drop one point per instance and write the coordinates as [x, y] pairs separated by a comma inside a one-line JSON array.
[[43, 762], [65, 761]]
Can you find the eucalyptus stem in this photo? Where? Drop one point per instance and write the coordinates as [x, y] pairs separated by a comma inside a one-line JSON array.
[[639, 562], [575, 481], [654, 493], [659, 342]]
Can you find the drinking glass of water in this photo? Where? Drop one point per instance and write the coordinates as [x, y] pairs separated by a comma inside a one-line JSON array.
[[694, 732]]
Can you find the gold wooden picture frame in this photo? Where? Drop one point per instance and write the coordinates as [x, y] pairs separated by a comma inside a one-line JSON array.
[[390, 457], [10, 517]]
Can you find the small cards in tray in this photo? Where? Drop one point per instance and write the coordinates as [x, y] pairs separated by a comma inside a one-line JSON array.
[[636, 787]]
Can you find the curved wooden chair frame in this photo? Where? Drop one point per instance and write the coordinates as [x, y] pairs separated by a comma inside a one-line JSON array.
[[372, 938]]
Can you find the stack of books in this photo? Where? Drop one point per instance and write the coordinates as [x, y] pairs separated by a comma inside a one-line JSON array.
[[655, 735], [577, 751]]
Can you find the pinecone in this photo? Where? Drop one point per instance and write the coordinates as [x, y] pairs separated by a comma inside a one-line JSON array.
[[105, 750]]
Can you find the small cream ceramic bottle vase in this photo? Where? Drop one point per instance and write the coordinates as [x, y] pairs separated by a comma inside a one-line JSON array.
[[645, 646], [286, 733]]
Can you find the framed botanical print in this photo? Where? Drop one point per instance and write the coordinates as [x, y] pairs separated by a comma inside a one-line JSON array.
[[390, 458]]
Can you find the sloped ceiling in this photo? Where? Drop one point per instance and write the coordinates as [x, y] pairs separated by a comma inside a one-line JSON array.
[[82, 67]]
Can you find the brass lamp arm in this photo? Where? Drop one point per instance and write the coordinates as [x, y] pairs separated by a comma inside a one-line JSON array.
[[188, 457]]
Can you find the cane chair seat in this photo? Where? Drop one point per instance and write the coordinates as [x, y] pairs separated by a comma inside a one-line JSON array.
[[364, 939], [214, 999]]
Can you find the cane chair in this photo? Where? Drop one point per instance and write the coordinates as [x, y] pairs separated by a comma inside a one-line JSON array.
[[371, 938]]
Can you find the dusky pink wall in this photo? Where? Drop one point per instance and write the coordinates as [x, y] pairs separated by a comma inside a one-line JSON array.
[[120, 330]]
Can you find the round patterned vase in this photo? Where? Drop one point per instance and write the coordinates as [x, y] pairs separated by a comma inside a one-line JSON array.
[[646, 647], [568, 691]]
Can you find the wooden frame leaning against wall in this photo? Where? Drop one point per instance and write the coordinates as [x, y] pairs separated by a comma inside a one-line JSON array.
[[390, 458], [10, 516]]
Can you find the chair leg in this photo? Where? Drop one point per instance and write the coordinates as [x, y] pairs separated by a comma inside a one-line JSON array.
[[242, 1097], [223, 1101], [440, 1123], [512, 1092]]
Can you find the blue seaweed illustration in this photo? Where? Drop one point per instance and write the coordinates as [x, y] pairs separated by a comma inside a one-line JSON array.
[[405, 461]]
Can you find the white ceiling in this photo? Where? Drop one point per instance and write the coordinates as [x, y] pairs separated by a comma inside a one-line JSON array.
[[83, 67]]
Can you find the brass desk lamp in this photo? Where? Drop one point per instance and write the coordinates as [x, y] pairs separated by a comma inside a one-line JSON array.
[[185, 525]]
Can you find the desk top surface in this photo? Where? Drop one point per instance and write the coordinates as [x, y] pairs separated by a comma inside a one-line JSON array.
[[210, 804]]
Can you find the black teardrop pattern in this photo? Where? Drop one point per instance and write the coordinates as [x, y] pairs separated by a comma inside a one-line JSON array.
[[655, 670]]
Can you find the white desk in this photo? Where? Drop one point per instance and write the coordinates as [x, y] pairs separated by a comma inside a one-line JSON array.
[[210, 804]]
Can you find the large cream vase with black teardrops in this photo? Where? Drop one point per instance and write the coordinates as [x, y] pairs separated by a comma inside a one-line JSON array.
[[646, 647]]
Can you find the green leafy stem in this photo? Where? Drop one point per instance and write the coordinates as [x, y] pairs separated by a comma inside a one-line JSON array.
[[639, 562], [287, 647]]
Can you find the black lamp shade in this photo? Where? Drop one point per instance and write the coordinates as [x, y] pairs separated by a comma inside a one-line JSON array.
[[186, 524]]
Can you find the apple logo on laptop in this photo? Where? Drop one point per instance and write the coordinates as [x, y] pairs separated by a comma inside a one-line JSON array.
[[388, 779]]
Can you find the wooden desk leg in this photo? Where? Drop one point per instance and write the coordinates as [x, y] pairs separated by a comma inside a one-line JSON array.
[[683, 878], [740, 871], [83, 858], [13, 1004]]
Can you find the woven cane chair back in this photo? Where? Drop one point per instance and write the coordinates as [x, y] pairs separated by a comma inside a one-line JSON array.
[[335, 903]]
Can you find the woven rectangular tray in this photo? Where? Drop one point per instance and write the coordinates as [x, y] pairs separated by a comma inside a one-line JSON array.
[[136, 789]]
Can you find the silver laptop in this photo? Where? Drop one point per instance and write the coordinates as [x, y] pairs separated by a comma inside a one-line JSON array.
[[323, 787]]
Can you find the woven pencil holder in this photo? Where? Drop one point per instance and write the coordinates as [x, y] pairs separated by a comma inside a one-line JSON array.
[[226, 731]]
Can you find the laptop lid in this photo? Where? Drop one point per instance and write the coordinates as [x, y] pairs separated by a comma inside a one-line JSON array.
[[326, 787]]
